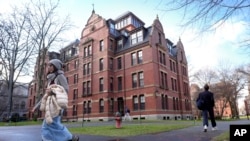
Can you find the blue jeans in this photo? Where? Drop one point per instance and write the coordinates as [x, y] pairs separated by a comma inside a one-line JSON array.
[[55, 131], [205, 113]]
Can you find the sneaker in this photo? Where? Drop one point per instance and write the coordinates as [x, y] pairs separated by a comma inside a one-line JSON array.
[[205, 128], [214, 128], [75, 138]]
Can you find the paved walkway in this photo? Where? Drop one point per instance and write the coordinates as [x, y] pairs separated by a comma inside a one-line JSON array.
[[194, 133]]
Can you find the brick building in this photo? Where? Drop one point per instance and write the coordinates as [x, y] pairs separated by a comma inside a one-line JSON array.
[[121, 63]]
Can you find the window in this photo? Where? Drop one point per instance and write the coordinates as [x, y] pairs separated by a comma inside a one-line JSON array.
[[164, 80], [139, 36], [89, 107], [85, 52], [139, 54], [88, 88], [111, 63], [119, 83], [89, 50], [111, 105], [134, 80], [76, 64], [119, 45], [101, 84], [111, 42], [135, 103], [184, 70], [177, 103], [67, 67], [84, 107], [163, 59], [101, 64], [85, 69], [174, 107], [164, 101], [75, 94], [136, 37], [74, 110], [174, 84], [119, 63], [133, 39], [89, 68], [159, 36], [111, 84], [160, 56], [185, 88], [171, 67], [84, 89], [142, 102], [101, 45], [101, 106], [133, 59], [141, 79], [75, 78]]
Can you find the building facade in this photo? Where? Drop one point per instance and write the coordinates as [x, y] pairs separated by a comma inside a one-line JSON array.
[[120, 63], [19, 101]]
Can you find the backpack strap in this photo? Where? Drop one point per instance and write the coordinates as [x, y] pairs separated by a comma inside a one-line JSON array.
[[53, 80]]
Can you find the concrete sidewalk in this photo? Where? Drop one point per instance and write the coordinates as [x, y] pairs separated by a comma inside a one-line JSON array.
[[194, 133]]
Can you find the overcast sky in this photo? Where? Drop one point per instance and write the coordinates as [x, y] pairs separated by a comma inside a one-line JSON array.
[[202, 51]]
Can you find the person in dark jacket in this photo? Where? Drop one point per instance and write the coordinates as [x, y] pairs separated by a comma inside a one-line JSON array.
[[208, 98]]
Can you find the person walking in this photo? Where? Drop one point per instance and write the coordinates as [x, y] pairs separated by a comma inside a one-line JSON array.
[[208, 108], [53, 129], [127, 114]]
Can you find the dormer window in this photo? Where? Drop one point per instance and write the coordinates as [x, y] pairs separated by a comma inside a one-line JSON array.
[[120, 45], [136, 37]]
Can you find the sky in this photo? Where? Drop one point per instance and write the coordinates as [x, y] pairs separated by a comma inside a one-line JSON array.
[[202, 52]]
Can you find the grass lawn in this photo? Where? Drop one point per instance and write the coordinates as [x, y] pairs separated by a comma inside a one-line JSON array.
[[146, 127], [128, 130], [21, 123], [222, 137]]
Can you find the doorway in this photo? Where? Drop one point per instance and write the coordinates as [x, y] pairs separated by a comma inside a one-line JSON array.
[[120, 106]]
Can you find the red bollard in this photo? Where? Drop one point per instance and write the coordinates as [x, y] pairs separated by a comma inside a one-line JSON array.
[[118, 122]]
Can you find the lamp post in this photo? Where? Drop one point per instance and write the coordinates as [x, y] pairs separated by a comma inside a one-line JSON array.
[[139, 106]]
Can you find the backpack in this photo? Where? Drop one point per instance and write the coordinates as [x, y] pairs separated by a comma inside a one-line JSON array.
[[200, 104]]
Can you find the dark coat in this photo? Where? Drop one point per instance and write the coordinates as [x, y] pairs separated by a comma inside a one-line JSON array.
[[208, 98]]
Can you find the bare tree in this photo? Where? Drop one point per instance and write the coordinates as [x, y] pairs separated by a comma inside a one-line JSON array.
[[26, 34], [232, 82], [205, 76], [46, 27], [208, 15], [226, 83], [16, 47]]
